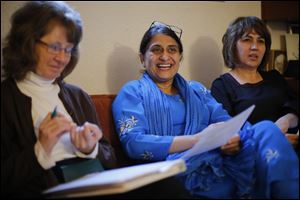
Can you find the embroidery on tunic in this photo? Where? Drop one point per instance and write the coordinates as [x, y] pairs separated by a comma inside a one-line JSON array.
[[147, 155], [126, 124], [205, 91], [271, 154]]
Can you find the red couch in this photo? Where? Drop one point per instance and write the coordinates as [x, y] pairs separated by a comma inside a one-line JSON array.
[[103, 105]]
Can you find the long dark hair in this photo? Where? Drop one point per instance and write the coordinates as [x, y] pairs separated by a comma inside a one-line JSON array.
[[236, 30], [28, 24]]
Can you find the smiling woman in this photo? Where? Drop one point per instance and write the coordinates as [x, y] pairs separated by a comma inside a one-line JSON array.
[[162, 61], [52, 57], [161, 116], [161, 53], [39, 52], [47, 148]]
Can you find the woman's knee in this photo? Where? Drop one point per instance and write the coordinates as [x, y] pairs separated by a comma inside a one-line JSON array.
[[265, 129]]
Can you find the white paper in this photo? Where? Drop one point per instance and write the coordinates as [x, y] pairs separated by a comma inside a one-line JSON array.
[[121, 176], [218, 134]]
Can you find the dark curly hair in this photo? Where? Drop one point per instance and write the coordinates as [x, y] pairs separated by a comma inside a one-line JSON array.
[[236, 30], [28, 24]]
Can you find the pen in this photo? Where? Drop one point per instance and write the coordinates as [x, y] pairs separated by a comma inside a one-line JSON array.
[[54, 113]]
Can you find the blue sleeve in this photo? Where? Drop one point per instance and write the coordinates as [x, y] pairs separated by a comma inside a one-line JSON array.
[[216, 110], [132, 126]]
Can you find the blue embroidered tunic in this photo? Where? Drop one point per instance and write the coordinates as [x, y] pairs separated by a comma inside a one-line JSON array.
[[147, 121]]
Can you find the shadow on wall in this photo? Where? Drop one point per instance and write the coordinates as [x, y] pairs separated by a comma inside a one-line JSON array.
[[123, 65], [206, 61]]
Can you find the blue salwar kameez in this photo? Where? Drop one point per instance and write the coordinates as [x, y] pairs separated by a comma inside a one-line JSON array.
[[147, 120]]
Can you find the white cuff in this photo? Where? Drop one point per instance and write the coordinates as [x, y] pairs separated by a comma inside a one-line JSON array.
[[45, 161], [83, 155]]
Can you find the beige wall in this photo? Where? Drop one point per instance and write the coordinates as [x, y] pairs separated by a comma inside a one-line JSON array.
[[113, 30]]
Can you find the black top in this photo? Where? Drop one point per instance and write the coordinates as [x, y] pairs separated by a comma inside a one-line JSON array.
[[272, 96]]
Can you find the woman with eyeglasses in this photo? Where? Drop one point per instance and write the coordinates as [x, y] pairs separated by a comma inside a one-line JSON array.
[[161, 116], [46, 124], [49, 129]]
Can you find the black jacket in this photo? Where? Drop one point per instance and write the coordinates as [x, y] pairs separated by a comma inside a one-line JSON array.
[[21, 174]]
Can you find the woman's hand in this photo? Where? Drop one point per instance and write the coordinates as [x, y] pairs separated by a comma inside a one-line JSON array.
[[85, 137], [293, 139], [232, 146], [51, 129], [283, 124], [287, 121]]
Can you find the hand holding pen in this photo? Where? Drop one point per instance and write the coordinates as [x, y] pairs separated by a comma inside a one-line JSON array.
[[84, 138], [52, 128], [54, 113]]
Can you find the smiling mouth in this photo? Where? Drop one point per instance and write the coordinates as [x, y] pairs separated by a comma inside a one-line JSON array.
[[164, 66], [56, 66]]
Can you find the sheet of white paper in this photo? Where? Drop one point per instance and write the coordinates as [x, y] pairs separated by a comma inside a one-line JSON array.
[[218, 134], [120, 175]]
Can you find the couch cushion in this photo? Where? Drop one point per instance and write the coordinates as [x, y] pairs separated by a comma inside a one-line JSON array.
[[103, 105]]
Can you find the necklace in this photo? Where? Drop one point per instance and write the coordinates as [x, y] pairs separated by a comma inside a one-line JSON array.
[[164, 87], [169, 89]]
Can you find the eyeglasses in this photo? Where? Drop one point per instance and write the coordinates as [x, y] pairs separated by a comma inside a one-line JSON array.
[[175, 29], [56, 48]]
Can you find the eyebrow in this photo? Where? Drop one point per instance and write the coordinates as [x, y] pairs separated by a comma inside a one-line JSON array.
[[67, 45], [159, 45], [173, 45], [250, 35]]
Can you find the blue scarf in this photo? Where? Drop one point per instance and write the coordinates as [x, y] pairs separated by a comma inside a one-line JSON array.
[[157, 111], [155, 99]]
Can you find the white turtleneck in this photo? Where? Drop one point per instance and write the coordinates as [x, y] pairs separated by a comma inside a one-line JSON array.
[[44, 96]]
